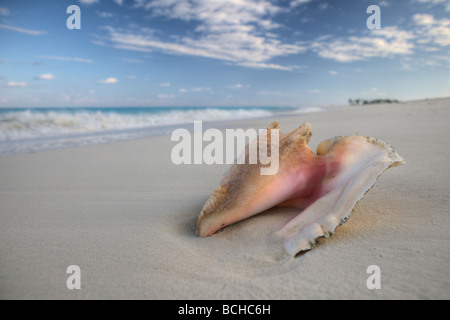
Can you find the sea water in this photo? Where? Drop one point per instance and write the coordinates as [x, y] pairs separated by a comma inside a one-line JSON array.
[[36, 129]]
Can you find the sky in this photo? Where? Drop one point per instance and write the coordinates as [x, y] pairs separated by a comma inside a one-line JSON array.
[[242, 53]]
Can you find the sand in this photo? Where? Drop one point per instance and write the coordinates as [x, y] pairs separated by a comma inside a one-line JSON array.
[[126, 216]]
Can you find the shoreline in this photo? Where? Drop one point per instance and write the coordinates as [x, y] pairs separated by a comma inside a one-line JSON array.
[[76, 140], [81, 139], [127, 216]]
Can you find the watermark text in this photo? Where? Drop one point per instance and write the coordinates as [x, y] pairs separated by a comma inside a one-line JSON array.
[[229, 149]]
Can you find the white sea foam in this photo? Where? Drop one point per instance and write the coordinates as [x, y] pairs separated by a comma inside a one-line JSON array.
[[31, 124], [34, 130]]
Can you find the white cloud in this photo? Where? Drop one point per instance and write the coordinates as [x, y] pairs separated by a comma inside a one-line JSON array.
[[424, 19], [102, 14], [261, 65], [66, 59], [132, 48], [296, 3], [215, 13], [446, 3], [243, 33], [22, 30], [384, 43], [88, 1], [333, 73], [196, 90], [14, 84], [46, 76], [242, 49], [4, 11], [119, 2], [428, 34], [109, 81], [233, 31], [131, 60], [99, 43], [433, 31], [166, 84], [238, 86], [201, 89]]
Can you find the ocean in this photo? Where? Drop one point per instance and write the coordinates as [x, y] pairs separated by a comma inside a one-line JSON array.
[[37, 129]]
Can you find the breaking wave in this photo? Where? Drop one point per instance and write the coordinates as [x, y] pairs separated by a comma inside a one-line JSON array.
[[37, 124]]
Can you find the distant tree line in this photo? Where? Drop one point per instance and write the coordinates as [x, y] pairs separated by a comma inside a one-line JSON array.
[[359, 102]]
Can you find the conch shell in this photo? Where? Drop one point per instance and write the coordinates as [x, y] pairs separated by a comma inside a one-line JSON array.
[[326, 186]]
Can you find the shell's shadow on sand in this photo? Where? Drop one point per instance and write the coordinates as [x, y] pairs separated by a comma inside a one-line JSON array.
[[253, 242]]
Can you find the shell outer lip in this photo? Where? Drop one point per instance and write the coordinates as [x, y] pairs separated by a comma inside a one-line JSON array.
[[305, 133]]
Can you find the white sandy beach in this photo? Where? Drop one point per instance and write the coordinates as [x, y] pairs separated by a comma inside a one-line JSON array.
[[126, 215]]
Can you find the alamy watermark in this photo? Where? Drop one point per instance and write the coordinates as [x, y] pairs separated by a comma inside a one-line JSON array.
[[74, 280], [374, 280], [374, 21], [263, 148], [74, 21]]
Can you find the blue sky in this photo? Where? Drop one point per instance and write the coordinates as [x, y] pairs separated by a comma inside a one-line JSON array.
[[221, 52]]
